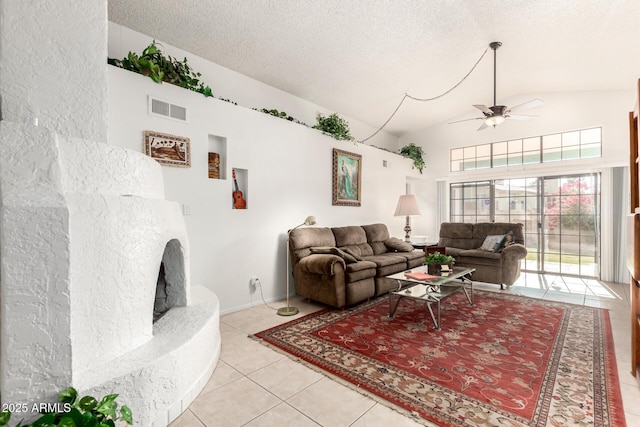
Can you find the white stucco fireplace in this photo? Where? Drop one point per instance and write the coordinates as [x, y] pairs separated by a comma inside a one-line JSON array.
[[84, 229]]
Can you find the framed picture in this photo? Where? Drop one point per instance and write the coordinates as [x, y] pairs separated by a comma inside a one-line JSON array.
[[347, 172], [170, 150]]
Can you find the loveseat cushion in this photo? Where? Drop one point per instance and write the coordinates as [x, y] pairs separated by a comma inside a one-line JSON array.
[[483, 229], [354, 238], [479, 257], [457, 235]]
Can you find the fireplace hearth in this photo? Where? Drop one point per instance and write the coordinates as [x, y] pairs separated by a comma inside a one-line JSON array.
[[84, 230]]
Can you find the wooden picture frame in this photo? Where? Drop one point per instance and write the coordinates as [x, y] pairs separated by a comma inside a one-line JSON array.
[[169, 150], [347, 178]]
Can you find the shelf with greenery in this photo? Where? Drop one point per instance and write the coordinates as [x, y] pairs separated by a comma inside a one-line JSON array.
[[334, 126], [415, 153], [160, 68]]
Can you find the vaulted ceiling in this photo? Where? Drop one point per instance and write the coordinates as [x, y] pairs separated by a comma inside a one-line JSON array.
[[359, 57]]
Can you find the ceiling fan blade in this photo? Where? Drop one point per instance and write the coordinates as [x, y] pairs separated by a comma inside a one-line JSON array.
[[484, 109], [529, 104], [520, 116], [484, 126], [466, 120]]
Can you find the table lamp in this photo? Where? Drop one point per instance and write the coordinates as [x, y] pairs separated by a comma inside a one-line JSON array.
[[407, 206]]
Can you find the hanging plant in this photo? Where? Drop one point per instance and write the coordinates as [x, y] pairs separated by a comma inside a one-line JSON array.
[[160, 68], [415, 153], [335, 126]]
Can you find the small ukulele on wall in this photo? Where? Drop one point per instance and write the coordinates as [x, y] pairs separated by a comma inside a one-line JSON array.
[[238, 198]]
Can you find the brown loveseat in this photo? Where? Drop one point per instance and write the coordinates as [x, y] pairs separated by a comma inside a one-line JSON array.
[[464, 241], [341, 266]]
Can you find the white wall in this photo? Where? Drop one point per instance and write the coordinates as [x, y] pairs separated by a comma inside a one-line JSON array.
[[289, 178], [561, 112], [52, 65], [245, 91]]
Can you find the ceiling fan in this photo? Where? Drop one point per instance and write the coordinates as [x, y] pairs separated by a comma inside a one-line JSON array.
[[497, 114]]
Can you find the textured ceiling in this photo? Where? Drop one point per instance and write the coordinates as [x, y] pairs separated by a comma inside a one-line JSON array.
[[359, 57]]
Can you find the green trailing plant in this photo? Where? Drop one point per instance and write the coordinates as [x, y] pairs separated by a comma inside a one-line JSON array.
[[438, 258], [160, 68], [80, 412], [281, 115], [335, 126], [415, 153]]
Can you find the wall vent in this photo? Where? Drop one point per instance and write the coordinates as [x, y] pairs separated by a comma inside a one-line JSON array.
[[158, 107]]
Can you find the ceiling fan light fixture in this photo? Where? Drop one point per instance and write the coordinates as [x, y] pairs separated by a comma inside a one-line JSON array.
[[494, 120]]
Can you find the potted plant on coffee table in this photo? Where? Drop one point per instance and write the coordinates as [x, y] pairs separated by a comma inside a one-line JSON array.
[[436, 260]]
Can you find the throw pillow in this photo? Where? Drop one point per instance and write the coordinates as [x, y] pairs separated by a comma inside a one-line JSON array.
[[493, 243], [509, 239], [398, 245], [349, 259]]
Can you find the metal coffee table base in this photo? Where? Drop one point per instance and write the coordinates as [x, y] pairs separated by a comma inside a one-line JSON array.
[[432, 297]]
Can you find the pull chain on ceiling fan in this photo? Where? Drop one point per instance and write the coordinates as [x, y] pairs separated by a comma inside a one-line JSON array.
[[497, 114]]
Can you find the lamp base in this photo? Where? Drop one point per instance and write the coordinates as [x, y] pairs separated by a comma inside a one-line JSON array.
[[287, 311]]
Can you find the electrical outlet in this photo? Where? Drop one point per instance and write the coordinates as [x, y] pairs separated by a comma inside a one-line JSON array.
[[254, 283]]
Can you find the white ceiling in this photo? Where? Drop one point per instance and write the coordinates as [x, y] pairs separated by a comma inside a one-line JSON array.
[[359, 57]]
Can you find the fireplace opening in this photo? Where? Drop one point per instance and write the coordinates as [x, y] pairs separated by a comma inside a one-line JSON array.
[[161, 303], [171, 282]]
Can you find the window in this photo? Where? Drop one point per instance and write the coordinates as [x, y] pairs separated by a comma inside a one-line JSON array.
[[561, 216], [580, 144]]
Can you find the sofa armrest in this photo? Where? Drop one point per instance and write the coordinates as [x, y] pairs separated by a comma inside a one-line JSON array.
[[320, 263], [515, 251]]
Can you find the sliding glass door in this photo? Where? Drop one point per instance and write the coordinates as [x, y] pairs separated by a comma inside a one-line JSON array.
[[561, 217]]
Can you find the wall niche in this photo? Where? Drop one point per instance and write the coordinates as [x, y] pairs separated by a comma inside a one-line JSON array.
[[217, 157]]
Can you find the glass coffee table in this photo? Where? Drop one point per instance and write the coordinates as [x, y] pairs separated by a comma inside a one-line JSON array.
[[432, 289]]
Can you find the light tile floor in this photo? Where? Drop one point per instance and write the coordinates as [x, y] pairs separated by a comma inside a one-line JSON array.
[[255, 386]]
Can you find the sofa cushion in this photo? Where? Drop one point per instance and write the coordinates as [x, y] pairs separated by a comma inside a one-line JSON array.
[[360, 270], [354, 238], [349, 259], [376, 236], [388, 263], [352, 253], [413, 258], [396, 245], [302, 239], [493, 243]]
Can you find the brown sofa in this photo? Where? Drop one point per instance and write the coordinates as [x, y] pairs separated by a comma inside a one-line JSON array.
[[463, 241], [342, 266]]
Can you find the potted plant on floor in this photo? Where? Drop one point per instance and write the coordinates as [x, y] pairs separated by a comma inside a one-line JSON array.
[[436, 260]]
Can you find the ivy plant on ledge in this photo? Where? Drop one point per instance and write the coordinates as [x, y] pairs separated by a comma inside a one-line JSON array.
[[415, 153], [160, 68], [335, 126]]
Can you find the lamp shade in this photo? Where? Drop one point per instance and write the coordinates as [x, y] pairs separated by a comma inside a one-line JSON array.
[[407, 206]]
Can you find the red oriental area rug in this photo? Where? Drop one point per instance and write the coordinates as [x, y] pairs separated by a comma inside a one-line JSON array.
[[506, 361]]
